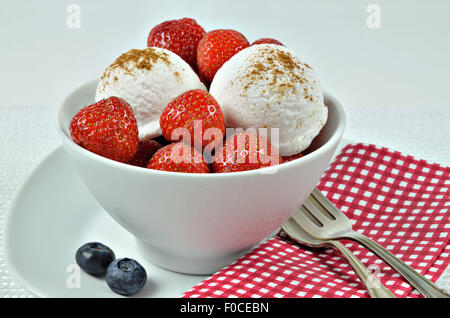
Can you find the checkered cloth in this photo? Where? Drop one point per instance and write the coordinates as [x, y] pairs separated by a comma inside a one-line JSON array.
[[398, 201]]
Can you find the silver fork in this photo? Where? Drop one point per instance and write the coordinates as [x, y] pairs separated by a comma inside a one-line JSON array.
[[375, 288], [322, 220]]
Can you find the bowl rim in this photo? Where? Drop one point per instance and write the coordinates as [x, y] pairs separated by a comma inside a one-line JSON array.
[[332, 142]]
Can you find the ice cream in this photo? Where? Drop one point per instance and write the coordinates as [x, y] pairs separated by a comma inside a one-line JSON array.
[[148, 79], [268, 86]]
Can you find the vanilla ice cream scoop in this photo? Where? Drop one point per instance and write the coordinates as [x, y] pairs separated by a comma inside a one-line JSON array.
[[148, 79], [268, 86]]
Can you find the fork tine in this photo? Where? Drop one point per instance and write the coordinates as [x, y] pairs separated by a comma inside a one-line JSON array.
[[315, 209], [328, 206], [305, 223], [310, 216]]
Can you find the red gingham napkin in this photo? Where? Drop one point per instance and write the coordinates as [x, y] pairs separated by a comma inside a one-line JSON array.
[[398, 201]]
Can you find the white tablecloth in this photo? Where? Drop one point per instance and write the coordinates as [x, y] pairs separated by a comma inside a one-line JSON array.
[[28, 135]]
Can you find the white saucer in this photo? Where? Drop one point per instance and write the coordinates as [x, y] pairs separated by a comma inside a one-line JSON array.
[[52, 215]]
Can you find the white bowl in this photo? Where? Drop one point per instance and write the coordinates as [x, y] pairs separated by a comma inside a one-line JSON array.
[[195, 223]]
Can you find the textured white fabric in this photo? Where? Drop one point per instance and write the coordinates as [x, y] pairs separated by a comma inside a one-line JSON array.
[[27, 135]]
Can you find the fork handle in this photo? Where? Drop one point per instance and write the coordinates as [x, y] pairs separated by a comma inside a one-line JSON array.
[[423, 285], [375, 288]]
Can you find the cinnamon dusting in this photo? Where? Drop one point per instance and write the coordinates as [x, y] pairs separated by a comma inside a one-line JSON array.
[[137, 59], [285, 72]]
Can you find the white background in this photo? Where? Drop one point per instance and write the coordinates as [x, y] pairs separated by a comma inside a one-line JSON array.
[[393, 81]]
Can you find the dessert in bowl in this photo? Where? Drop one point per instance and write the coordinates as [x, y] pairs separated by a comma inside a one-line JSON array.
[[198, 223]]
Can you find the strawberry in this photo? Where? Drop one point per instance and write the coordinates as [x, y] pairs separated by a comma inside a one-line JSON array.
[[267, 41], [107, 128], [190, 110], [245, 151], [146, 149], [179, 157], [292, 157], [179, 36], [215, 48]]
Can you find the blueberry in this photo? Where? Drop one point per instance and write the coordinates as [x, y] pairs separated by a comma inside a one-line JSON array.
[[125, 276], [94, 258]]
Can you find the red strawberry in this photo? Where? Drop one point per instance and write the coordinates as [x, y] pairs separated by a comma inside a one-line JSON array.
[[147, 148], [107, 128], [267, 41], [215, 48], [178, 157], [292, 157], [179, 36], [245, 151], [189, 110]]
